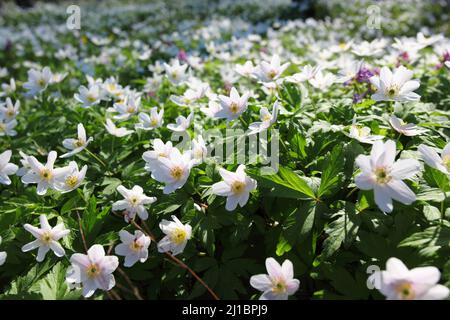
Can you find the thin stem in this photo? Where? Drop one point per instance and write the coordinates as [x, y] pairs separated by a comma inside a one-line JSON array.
[[178, 261], [96, 157], [134, 289], [82, 233]]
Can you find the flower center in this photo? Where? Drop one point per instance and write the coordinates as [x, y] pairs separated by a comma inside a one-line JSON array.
[[134, 200], [392, 91], [46, 237], [238, 187], [176, 173], [178, 236], [272, 74], [2, 127], [405, 291], [382, 175], [71, 181], [174, 75], [131, 109], [279, 287], [93, 270], [10, 113], [135, 246], [41, 82], [91, 98], [234, 108], [267, 118], [78, 143], [154, 122], [46, 174], [446, 161]]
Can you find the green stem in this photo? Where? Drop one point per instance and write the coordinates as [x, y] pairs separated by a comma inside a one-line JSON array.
[[96, 157]]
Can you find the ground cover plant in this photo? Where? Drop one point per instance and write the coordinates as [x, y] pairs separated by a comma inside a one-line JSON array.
[[225, 150]]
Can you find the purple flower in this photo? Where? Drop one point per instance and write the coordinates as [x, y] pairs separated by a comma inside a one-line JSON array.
[[364, 75]]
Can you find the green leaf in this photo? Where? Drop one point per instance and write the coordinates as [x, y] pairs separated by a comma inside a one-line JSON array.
[[342, 230], [54, 286], [332, 174]]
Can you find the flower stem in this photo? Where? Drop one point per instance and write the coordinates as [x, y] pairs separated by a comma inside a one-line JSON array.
[[96, 157]]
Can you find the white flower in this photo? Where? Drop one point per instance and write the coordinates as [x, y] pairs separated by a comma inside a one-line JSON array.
[[115, 131], [447, 64], [7, 128], [93, 270], [396, 86], [71, 179], [176, 73], [362, 134], [8, 88], [38, 81], [133, 247], [397, 282], [155, 120], [199, 150], [236, 186], [10, 111], [233, 106], [433, 159], [307, 73], [368, 49], [46, 238], [76, 145], [279, 283], [112, 88], [160, 149], [246, 69], [177, 235], [408, 129], [3, 255], [182, 123], [212, 109], [134, 202], [127, 108], [384, 176], [322, 81], [6, 168], [44, 176], [88, 97], [270, 71], [173, 170], [267, 119], [25, 165]]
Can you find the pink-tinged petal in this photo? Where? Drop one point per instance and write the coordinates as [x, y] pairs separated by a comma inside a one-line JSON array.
[[232, 202], [396, 267], [81, 132], [9, 169], [271, 295], [42, 251], [405, 168], [385, 77], [425, 275], [31, 246], [261, 282], [292, 286], [409, 86], [80, 259], [5, 156], [383, 198], [376, 152], [3, 256], [44, 223], [221, 189], [243, 198], [379, 97], [89, 287], [288, 269], [363, 162], [126, 237], [274, 269], [42, 188], [226, 175], [109, 264], [400, 191], [59, 232], [365, 181], [234, 95], [57, 248], [36, 232], [96, 253], [122, 249], [387, 158], [375, 80], [164, 244], [130, 260], [438, 292], [401, 75], [120, 205]]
